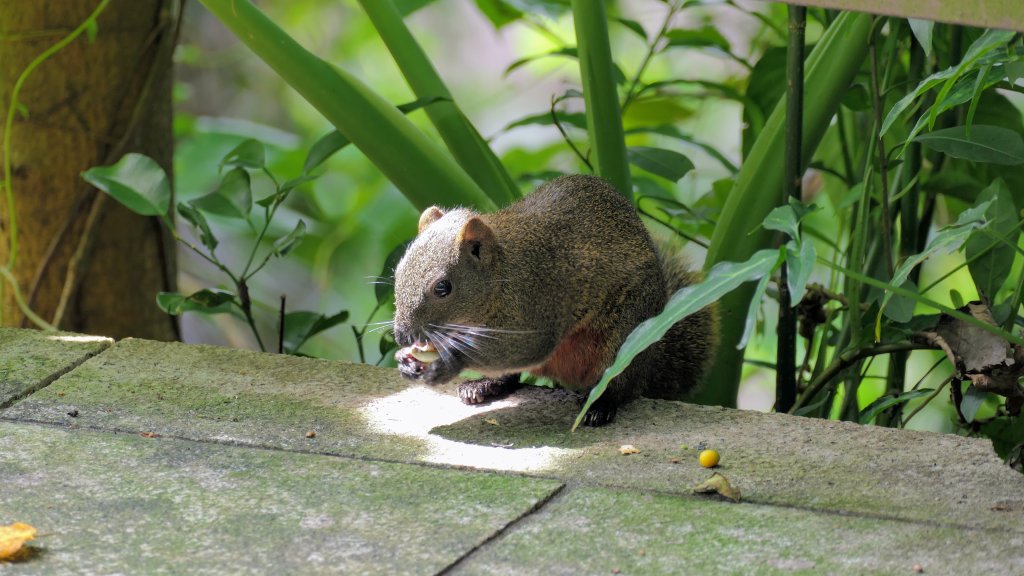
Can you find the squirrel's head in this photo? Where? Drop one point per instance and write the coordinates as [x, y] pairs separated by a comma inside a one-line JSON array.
[[445, 276]]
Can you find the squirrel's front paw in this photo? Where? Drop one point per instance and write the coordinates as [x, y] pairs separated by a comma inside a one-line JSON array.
[[484, 389]]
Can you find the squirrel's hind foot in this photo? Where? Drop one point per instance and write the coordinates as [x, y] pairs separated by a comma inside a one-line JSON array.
[[485, 389], [601, 413]]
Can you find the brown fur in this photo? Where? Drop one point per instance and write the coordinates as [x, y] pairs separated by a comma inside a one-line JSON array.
[[562, 276]]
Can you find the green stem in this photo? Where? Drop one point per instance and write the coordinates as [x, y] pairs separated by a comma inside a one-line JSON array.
[[32, 316], [604, 118], [785, 357]]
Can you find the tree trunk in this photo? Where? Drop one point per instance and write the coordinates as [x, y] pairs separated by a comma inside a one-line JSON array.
[[82, 260]]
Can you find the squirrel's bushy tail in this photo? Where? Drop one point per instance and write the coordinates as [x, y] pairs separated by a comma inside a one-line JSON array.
[[682, 358]]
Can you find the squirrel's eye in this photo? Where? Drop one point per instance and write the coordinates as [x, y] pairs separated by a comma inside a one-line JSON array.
[[442, 288]]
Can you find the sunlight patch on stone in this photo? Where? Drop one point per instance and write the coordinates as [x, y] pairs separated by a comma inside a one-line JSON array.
[[78, 338], [416, 411]]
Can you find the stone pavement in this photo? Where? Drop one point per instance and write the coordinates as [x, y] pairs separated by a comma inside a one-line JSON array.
[[154, 458]]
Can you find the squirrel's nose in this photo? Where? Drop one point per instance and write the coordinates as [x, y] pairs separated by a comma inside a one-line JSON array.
[[403, 336]]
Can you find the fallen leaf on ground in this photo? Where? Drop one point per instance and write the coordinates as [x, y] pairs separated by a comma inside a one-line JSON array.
[[718, 484], [627, 449], [13, 537], [491, 421]]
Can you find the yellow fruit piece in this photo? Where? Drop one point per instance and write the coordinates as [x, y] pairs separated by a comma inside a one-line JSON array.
[[709, 458], [627, 449], [12, 537]]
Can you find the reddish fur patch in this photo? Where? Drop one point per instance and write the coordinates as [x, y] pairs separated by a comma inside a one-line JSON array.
[[576, 361]]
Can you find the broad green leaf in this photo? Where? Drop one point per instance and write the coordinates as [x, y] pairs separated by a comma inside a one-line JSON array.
[[801, 264], [301, 325], [672, 131], [972, 401], [922, 30], [900, 309], [384, 285], [323, 149], [992, 144], [956, 298], [989, 259], [787, 218], [765, 87], [136, 181], [668, 164], [249, 154], [196, 219], [706, 37], [867, 415], [232, 199], [284, 244], [206, 301], [723, 278]]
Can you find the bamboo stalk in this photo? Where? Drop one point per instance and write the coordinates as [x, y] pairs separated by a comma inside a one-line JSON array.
[[604, 118]]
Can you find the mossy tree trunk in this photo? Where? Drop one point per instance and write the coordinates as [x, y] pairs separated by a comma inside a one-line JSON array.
[[83, 261]]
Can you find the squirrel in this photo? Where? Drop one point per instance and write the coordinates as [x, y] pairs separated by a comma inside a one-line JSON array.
[[550, 285]]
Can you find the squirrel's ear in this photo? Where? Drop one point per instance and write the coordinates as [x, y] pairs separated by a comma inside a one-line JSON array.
[[429, 216], [477, 239]]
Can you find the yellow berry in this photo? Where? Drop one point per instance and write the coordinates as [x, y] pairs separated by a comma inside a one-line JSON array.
[[708, 458]]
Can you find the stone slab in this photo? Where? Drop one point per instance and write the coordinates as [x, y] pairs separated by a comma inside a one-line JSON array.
[[600, 531], [31, 359], [216, 394], [109, 503]]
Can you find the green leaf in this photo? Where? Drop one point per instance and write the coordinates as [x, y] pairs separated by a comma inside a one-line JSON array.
[[900, 309], [787, 218], [706, 37], [301, 325], [249, 154], [284, 244], [384, 288], [668, 164], [885, 402], [922, 30], [949, 238], [136, 181], [989, 259], [987, 42], [406, 7], [723, 278], [232, 199], [634, 26], [577, 119], [568, 51], [972, 401], [801, 264], [323, 149], [499, 12], [755, 305], [992, 144], [196, 219], [672, 131], [205, 301]]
